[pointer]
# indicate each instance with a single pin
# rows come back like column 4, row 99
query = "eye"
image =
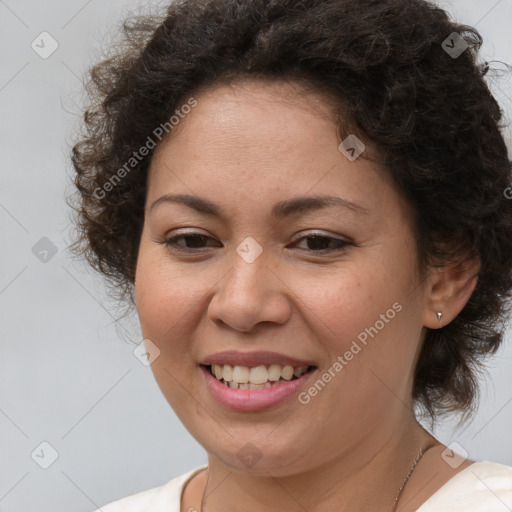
column 193, row 241
column 320, row 243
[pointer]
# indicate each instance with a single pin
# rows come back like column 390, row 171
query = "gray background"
column 68, row 374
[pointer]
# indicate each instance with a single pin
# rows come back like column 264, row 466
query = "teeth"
column 227, row 373
column 274, row 372
column 258, row 377
column 299, row 371
column 217, row 371
column 287, row 372
column 241, row 374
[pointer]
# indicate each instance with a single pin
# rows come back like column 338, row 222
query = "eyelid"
column 320, row 233
column 298, row 236
column 186, row 231
column 170, row 242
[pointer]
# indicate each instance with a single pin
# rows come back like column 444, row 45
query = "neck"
column 365, row 477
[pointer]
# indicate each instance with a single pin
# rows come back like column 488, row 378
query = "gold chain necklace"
column 406, row 479
column 400, row 491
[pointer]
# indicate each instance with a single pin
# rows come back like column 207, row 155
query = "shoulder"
column 165, row 497
column 481, row 487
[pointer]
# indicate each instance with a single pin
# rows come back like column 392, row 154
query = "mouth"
column 267, row 387
column 256, row 377
column 254, row 381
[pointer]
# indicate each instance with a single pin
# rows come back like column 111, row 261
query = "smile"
column 250, row 389
column 258, row 377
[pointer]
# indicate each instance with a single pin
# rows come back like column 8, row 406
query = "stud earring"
column 439, row 316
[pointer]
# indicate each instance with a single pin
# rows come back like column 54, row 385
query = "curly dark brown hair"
column 389, row 68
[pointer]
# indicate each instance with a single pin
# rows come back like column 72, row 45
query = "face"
column 242, row 274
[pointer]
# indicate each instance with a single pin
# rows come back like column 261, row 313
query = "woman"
column 307, row 204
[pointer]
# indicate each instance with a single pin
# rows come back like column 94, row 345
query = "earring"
column 439, row 316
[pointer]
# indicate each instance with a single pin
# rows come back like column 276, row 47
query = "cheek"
column 368, row 317
column 347, row 302
column 165, row 300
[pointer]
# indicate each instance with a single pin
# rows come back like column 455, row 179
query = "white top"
column 481, row 487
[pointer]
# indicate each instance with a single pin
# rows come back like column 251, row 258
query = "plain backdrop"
column 69, row 378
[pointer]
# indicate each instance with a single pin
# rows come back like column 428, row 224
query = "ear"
column 449, row 289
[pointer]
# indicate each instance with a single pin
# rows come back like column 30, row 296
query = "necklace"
column 400, row 491
column 406, row 479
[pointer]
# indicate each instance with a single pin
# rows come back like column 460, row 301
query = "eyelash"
column 171, row 243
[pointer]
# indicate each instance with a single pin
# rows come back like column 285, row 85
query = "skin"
column 246, row 147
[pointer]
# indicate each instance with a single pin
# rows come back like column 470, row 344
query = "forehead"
column 264, row 94
column 266, row 140
column 251, row 113
column 265, row 124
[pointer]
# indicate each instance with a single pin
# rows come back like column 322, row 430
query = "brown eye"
column 193, row 241
column 324, row 244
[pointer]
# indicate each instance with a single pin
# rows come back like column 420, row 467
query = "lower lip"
column 253, row 399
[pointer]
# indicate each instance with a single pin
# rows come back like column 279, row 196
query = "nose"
column 250, row 294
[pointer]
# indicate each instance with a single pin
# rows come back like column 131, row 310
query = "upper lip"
column 234, row 357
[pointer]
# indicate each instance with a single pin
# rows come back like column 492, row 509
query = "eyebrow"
column 286, row 208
